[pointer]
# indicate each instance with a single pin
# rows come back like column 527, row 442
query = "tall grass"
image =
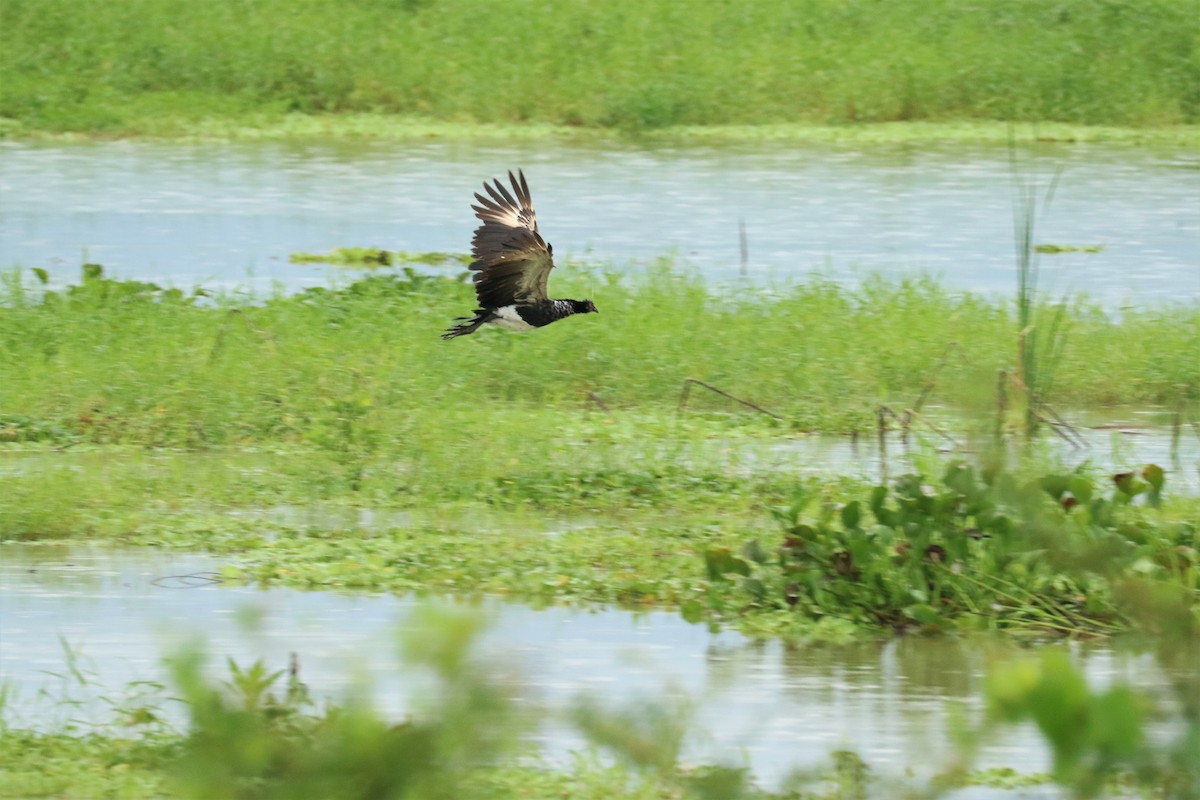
column 116, row 362
column 96, row 66
column 1041, row 335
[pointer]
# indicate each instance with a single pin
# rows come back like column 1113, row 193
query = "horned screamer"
column 512, row 265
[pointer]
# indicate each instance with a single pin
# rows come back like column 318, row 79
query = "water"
column 763, row 704
column 230, row 214
column 1110, row 447
column 1121, row 442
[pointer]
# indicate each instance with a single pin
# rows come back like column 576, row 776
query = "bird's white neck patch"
column 507, row 317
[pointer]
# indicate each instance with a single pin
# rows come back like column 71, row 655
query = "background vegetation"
column 87, row 65
column 363, row 367
column 348, row 398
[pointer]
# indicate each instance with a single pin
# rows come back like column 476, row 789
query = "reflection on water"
column 1107, row 449
column 229, row 214
column 1123, row 443
column 764, row 703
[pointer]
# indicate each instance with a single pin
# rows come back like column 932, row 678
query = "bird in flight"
column 512, row 264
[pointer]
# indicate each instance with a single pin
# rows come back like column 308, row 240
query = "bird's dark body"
column 512, row 264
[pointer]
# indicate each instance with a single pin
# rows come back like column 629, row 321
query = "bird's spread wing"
column 512, row 260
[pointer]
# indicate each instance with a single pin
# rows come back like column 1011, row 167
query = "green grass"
column 121, row 68
column 555, row 467
column 361, row 371
column 259, row 125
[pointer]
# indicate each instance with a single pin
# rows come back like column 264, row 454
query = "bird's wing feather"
column 512, row 260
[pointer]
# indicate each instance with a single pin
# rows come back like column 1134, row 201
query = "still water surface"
column 1127, row 439
column 230, row 214
column 759, row 704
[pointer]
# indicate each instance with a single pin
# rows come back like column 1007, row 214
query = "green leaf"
column 1009, row 688
column 1081, row 488
column 756, row 588
column 1056, row 485
column 1155, row 476
column 1059, row 705
column 1128, row 484
column 882, row 513
column 851, row 514
column 1051, row 249
column 721, row 561
column 1116, row 723
column 923, row 614
column 753, row 551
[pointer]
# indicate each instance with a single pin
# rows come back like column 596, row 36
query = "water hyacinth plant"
column 976, row 548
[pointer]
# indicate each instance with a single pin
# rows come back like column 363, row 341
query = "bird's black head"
column 584, row 307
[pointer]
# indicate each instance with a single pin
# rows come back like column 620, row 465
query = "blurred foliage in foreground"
column 250, row 737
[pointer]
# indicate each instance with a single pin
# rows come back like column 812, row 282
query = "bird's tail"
column 466, row 325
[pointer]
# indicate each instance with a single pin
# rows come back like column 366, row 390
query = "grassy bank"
column 123, row 68
column 362, row 370
column 557, row 467
column 267, row 126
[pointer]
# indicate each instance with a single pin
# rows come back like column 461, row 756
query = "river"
column 229, row 215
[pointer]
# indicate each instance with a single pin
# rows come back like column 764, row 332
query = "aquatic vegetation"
column 576, row 450
column 376, row 257
column 1055, row 249
column 23, row 428
column 978, row 548
column 107, row 362
column 1040, row 553
column 1041, row 332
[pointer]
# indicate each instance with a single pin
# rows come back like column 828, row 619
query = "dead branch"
column 687, row 387
column 1078, row 440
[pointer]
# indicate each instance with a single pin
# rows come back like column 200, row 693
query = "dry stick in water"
column 687, row 387
column 906, row 420
column 1051, row 417
column 930, row 385
column 913, row 415
column 1054, row 426
column 1057, row 422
